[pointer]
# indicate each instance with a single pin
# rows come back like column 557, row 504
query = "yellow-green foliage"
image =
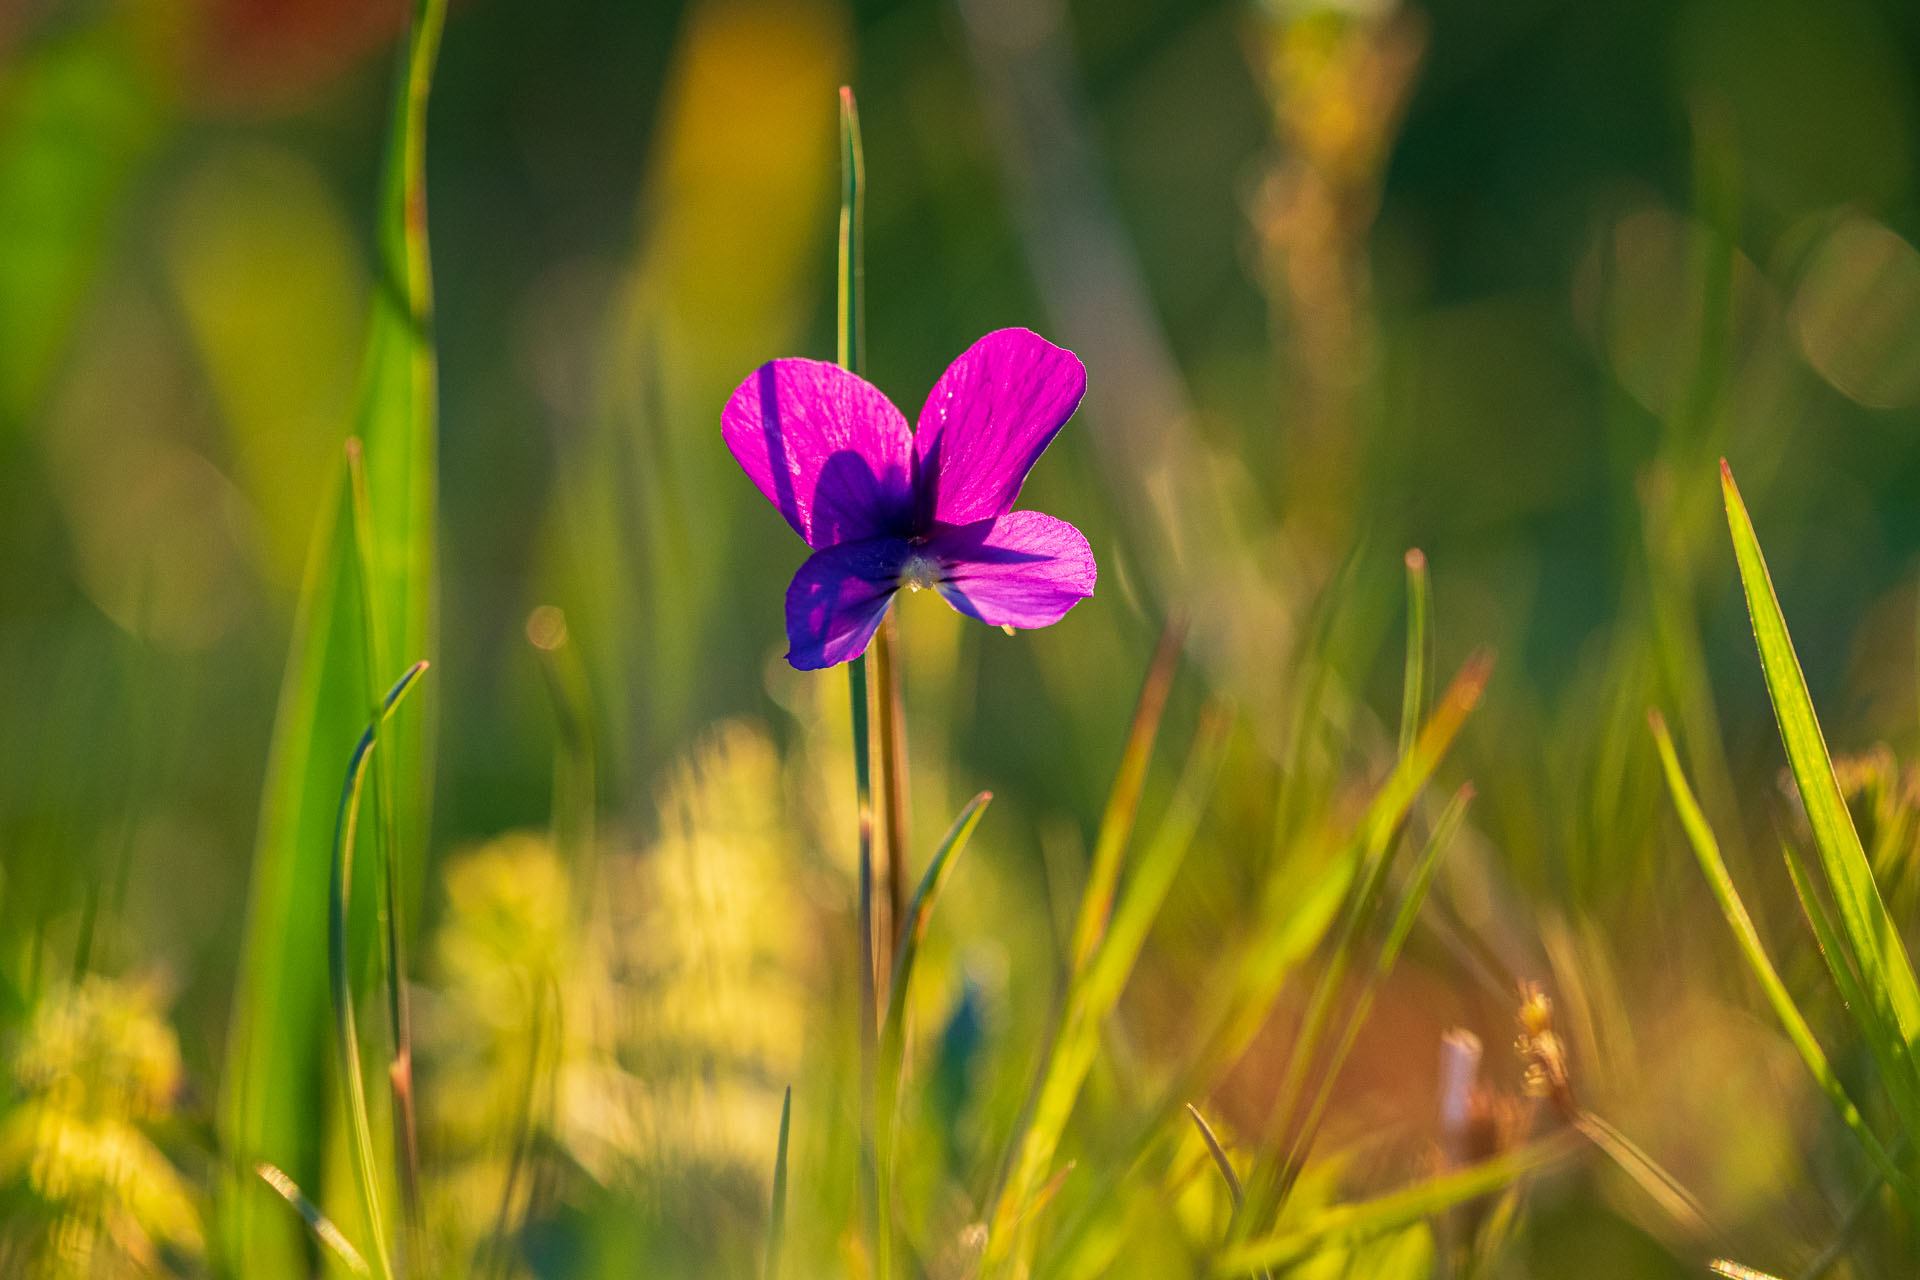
column 96, row 1064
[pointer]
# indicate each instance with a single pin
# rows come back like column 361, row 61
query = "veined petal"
column 1024, row 569
column 836, row 601
column 987, row 421
column 825, row 447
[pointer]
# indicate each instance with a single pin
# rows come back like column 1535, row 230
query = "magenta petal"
column 837, row 600
column 1023, row 570
column 825, row 447
column 988, row 419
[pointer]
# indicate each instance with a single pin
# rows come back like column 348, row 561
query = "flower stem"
column 891, row 723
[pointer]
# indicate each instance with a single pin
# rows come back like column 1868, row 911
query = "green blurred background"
column 1499, row 280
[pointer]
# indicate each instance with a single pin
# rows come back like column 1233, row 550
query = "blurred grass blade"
column 1373, row 850
column 777, row 1207
column 322, row 1226
column 1219, row 1154
column 1419, row 670
column 893, row 1030
column 272, row 1087
column 1123, row 800
column 1707, row 850
column 1444, row 830
column 1349, row 1224
column 1885, row 969
column 1092, row 994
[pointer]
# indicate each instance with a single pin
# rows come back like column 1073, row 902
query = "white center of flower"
column 920, row 570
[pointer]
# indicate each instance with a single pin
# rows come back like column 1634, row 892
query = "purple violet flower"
column 883, row 508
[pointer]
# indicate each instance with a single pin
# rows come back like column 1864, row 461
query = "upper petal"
column 825, row 447
column 987, row 420
column 1023, row 569
column 836, row 601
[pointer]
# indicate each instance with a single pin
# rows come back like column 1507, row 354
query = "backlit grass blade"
column 1885, row 969
column 1373, row 844
column 322, row 1226
column 1419, row 668
column 1707, row 850
column 1092, row 995
column 1349, row 1224
column 777, row 1206
column 1219, row 1154
column 340, row 977
column 273, row 1086
column 1123, row 801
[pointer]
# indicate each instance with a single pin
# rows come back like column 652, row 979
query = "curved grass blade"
column 273, row 1082
column 1349, row 1224
column 339, row 908
column 1714, row 867
column 1877, row 952
column 319, row 1223
column 777, row 1209
column 1219, row 1154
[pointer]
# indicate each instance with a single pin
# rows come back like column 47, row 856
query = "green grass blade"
column 777, row 1206
column 1219, row 1154
column 1097, row 990
column 1123, row 800
column 1349, row 1224
column 1707, row 850
column 339, row 972
column 272, row 1087
column 1886, row 970
column 1419, row 669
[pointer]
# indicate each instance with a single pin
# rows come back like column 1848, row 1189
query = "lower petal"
column 1024, row 569
column 836, row 601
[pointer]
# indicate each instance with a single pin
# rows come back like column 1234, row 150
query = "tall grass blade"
column 1877, row 952
column 273, row 1083
column 1123, row 800
column 777, row 1207
column 1349, row 1224
column 1714, row 867
column 1219, row 1154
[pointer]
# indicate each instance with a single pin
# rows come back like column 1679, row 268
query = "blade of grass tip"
column 777, row 1206
column 1094, row 994
column 890, row 723
column 387, row 858
column 1707, row 850
column 1349, row 1224
column 1219, row 1154
column 850, row 344
column 1419, row 649
column 1737, row 1271
column 1123, row 799
column 576, row 758
column 1884, row 965
column 346, row 1035
column 893, row 1031
column 1374, row 841
column 322, row 1226
column 1444, row 831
